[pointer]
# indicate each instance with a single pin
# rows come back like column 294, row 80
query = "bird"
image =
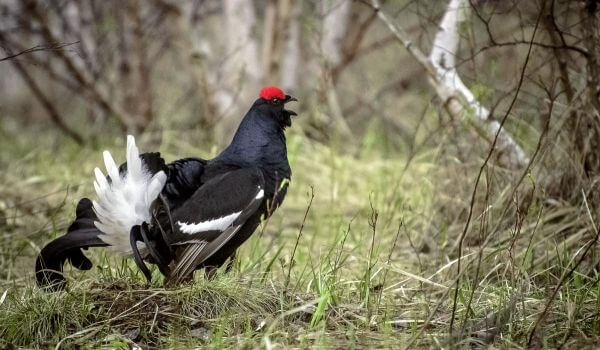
column 182, row 216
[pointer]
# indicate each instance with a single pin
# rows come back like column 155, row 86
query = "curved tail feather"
column 81, row 234
column 125, row 199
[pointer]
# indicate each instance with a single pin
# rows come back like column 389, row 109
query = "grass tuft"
column 363, row 253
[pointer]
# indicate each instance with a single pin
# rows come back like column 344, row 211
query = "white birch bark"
column 443, row 56
column 456, row 96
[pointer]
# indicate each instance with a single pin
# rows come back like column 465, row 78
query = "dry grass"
column 376, row 264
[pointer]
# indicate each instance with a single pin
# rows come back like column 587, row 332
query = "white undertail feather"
column 126, row 200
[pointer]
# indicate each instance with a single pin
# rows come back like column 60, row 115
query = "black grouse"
column 185, row 215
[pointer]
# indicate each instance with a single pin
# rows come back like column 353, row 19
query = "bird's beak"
column 289, row 98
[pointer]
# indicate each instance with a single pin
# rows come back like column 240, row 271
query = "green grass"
column 375, row 265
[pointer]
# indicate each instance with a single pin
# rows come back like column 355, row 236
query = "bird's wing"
column 213, row 215
column 184, row 177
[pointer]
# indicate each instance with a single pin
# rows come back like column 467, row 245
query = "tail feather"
column 126, row 200
column 155, row 187
column 111, row 169
column 134, row 162
column 81, row 234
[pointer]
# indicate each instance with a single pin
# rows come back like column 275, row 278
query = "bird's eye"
column 275, row 100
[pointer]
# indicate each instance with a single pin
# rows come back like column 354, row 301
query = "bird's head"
column 271, row 101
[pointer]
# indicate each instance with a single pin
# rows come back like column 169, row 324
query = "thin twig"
column 50, row 47
column 312, row 196
column 41, row 97
column 567, row 274
column 483, row 166
column 373, row 225
column 389, row 259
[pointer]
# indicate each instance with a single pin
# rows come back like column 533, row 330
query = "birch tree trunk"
column 276, row 34
column 242, row 69
column 456, row 97
column 335, row 14
column 291, row 55
column 136, row 99
column 335, row 24
column 196, row 49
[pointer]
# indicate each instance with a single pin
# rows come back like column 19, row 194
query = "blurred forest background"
column 452, row 147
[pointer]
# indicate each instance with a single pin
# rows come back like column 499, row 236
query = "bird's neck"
column 260, row 142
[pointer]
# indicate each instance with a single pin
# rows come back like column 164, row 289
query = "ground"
column 370, row 262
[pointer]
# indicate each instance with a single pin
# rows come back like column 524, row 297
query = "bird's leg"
column 158, row 259
column 134, row 237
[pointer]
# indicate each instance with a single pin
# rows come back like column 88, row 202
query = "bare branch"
column 46, row 103
column 51, row 47
column 456, row 96
column 78, row 74
column 443, row 57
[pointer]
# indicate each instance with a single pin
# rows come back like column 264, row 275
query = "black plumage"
column 223, row 199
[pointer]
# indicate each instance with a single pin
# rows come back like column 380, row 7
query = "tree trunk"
column 291, row 55
column 276, row 33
